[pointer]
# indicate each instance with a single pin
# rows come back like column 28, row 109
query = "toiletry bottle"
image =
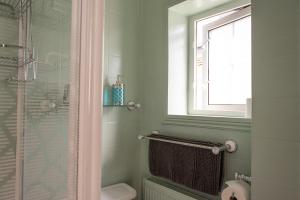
column 118, row 92
column 106, row 94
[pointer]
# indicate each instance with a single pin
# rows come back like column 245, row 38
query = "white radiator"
column 154, row 191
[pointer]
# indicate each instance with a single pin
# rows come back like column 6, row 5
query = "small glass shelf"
column 131, row 105
column 114, row 105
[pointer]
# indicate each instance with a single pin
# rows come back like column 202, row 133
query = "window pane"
column 201, row 46
column 230, row 63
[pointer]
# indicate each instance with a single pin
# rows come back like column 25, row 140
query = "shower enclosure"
column 37, row 151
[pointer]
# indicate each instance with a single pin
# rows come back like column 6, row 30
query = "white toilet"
column 120, row 191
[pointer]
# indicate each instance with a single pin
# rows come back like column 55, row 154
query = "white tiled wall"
column 120, row 128
column 275, row 137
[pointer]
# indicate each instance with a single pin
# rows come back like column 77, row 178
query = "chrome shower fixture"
column 14, row 8
column 28, row 61
column 11, row 46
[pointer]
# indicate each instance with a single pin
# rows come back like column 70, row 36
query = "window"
column 220, row 77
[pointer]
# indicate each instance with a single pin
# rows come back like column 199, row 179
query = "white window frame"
column 211, row 110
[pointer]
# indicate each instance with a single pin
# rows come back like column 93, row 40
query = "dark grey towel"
column 192, row 167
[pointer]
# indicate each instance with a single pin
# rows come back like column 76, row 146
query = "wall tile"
column 275, row 157
column 275, row 161
column 276, row 118
column 120, row 126
column 262, row 190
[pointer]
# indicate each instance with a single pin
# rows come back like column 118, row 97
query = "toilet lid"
column 120, row 191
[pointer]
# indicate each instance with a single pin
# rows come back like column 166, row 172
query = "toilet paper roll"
column 236, row 190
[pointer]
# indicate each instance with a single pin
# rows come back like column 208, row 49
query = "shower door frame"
column 87, row 54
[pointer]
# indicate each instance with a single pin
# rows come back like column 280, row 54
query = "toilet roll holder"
column 238, row 176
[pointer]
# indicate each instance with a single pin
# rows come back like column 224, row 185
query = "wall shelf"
column 131, row 106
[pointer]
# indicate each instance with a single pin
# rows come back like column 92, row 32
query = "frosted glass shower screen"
column 46, row 139
column 38, row 101
column 8, row 110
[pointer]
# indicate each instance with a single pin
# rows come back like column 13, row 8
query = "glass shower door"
column 45, row 174
column 38, row 149
column 8, row 100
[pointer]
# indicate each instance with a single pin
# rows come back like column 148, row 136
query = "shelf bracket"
column 132, row 105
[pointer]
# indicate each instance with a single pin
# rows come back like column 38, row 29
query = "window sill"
column 219, row 123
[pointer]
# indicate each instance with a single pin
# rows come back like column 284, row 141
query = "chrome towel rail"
column 229, row 145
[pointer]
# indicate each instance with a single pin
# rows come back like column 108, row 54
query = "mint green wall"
column 120, row 127
column 154, row 63
column 275, row 137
